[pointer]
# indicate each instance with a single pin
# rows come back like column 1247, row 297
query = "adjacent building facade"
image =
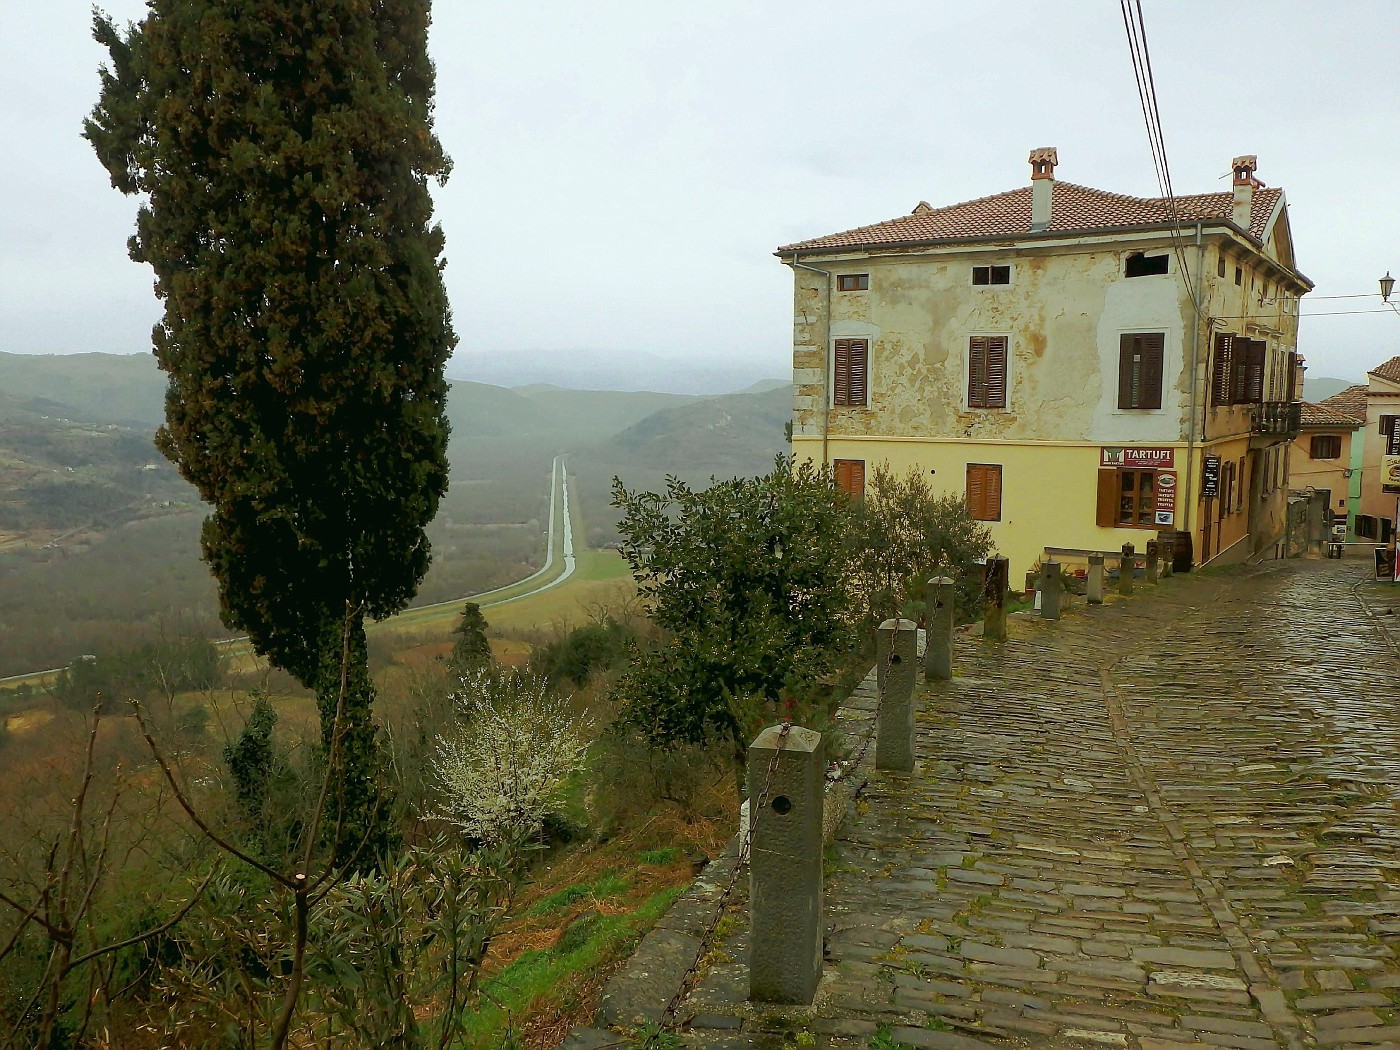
column 1085, row 368
column 1327, row 452
column 1380, row 458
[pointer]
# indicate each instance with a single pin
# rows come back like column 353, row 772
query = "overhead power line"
column 1136, row 31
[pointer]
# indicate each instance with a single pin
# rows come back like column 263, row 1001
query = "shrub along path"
column 1169, row 822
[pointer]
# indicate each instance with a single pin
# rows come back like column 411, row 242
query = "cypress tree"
column 283, row 150
column 472, row 649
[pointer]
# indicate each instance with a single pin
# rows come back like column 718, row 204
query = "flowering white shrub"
column 507, row 763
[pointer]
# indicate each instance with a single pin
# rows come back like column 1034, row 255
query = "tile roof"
column 1351, row 401
column 1076, row 208
column 1320, row 415
column 1390, row 370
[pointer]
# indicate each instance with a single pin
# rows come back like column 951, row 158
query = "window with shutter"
column 1140, row 369
column 1220, row 380
column 986, row 371
column 1251, row 379
column 850, row 372
column 850, row 476
column 1325, row 446
column 984, row 491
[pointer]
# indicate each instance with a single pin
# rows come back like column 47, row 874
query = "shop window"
column 1127, row 498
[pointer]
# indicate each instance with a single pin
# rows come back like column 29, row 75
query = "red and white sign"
column 1138, row 458
column 1166, row 498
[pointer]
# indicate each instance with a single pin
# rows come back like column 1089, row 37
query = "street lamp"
column 1387, row 286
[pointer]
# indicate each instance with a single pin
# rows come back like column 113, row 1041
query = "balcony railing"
column 1278, row 418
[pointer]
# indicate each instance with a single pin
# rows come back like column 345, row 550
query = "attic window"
column 853, row 282
column 991, row 275
column 1140, row 265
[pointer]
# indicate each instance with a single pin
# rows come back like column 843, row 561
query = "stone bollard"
column 1153, row 564
column 1093, row 585
column 1051, row 588
column 1168, row 549
column 994, row 594
column 896, row 655
column 938, row 645
column 785, row 864
column 1127, row 565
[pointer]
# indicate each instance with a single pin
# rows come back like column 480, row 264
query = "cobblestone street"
column 1170, row 822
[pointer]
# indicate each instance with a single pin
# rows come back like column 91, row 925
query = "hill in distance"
column 1319, row 388
column 609, row 370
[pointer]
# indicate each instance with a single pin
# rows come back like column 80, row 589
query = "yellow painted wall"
column 1323, row 473
column 1049, row 493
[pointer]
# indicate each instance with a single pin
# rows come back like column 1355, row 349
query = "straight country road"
column 1171, row 822
column 559, row 536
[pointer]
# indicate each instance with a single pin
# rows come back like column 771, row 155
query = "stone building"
column 1041, row 352
column 1380, row 456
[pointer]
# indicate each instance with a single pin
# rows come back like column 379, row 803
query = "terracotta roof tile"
column 1076, row 208
column 1390, row 370
column 1320, row 415
column 1351, row 401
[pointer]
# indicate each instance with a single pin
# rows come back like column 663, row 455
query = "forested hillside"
column 99, row 536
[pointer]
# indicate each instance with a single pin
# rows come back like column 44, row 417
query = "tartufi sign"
column 1137, row 458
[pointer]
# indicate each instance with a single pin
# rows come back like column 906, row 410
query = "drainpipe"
column 1190, row 507
column 826, row 358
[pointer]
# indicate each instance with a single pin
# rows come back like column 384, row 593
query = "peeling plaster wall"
column 1063, row 314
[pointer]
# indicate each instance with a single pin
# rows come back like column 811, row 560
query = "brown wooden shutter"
column 1140, row 370
column 976, row 491
column 1220, row 382
column 860, row 377
column 850, row 476
column 1127, row 373
column 1252, row 379
column 1107, row 516
column 992, row 487
column 977, row 372
column 984, row 491
column 841, row 373
column 996, row 382
column 986, row 371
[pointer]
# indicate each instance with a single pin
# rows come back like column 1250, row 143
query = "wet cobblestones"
column 1170, row 822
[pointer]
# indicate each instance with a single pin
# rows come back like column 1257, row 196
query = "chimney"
column 1043, row 163
column 1245, row 183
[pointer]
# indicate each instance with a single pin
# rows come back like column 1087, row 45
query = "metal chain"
column 859, row 756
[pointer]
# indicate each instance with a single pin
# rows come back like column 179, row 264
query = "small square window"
column 853, row 282
column 1139, row 265
column 991, row 275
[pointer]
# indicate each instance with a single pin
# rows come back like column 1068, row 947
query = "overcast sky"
column 625, row 169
